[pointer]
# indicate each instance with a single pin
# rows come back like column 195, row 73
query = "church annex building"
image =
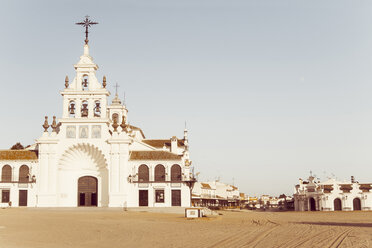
column 91, row 156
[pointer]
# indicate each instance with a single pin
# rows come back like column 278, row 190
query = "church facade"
column 332, row 195
column 92, row 156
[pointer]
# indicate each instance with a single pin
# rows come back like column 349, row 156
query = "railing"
column 154, row 181
column 19, row 181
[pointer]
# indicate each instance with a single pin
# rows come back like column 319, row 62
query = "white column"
column 47, row 174
column 42, row 179
column 118, row 169
column 65, row 107
column 123, row 166
column 103, row 107
column 114, row 173
column 113, row 176
column 151, row 193
column 52, row 174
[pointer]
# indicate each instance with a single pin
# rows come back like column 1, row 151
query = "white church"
column 91, row 156
column 332, row 195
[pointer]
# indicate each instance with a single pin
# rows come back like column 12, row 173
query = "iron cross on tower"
column 116, row 88
column 86, row 23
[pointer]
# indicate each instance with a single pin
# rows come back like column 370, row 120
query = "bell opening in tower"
column 85, row 83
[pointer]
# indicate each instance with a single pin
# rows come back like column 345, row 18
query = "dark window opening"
column 71, row 109
column 6, row 175
column 159, row 196
column 143, row 198
column 84, row 109
column 5, row 196
column 97, row 109
column 143, row 173
column 24, row 174
column 176, row 174
column 176, row 197
column 160, row 173
column 84, row 83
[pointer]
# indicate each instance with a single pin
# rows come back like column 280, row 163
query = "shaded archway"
column 312, row 204
column 356, row 204
column 159, row 173
column 6, row 173
column 87, row 191
column 337, row 204
column 143, row 173
column 24, row 174
column 176, row 173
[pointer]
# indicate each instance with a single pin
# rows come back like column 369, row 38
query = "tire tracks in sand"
column 337, row 242
column 260, row 237
column 320, row 239
column 239, row 239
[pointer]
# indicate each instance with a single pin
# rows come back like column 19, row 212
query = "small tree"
column 17, row 146
column 283, row 196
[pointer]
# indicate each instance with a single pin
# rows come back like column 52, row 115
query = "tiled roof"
column 206, row 186
column 365, row 187
column 159, row 143
column 327, row 188
column 153, row 155
column 18, row 155
column 235, row 188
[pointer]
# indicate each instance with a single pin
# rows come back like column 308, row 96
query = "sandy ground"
column 116, row 228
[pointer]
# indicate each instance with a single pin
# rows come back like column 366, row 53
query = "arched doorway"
column 312, row 204
column 337, row 204
column 356, row 204
column 87, row 191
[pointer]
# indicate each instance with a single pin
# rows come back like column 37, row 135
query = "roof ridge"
column 154, row 155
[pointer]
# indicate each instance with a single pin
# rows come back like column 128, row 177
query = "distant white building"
column 332, row 195
column 215, row 193
column 93, row 157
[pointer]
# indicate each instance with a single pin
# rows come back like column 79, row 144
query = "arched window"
column 71, row 108
column 176, row 173
column 6, row 173
column 84, row 109
column 24, row 174
column 143, row 173
column 85, row 83
column 97, row 109
column 160, row 173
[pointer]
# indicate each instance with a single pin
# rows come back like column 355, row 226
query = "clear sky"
column 269, row 89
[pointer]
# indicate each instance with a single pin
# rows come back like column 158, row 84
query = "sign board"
column 22, row 185
column 175, row 185
column 193, row 213
column 143, row 185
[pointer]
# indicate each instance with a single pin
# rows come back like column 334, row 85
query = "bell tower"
column 85, row 97
column 88, row 124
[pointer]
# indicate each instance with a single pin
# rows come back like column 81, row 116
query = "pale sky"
column 269, row 89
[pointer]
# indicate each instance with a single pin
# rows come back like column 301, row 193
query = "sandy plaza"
column 197, row 123
column 39, row 228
